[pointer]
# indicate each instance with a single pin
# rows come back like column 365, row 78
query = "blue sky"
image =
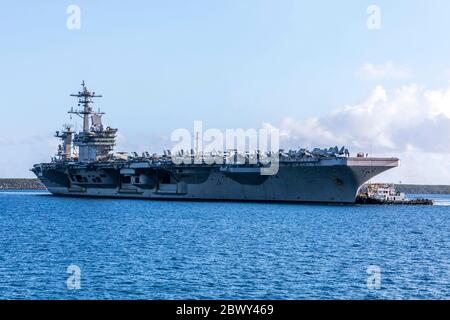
column 163, row 64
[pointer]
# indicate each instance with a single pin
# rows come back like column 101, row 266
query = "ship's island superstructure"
column 85, row 165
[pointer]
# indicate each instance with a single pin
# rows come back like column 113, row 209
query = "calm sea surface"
column 139, row 249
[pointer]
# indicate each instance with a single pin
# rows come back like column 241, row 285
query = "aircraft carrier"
column 86, row 166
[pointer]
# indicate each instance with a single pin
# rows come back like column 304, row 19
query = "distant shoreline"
column 34, row 184
column 422, row 189
column 21, row 184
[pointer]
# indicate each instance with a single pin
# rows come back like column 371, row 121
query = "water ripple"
column 179, row 250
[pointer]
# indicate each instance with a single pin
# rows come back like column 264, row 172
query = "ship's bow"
column 365, row 169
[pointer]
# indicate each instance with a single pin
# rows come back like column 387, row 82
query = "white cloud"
column 385, row 70
column 412, row 121
column 439, row 102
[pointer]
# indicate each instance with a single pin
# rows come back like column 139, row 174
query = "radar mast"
column 85, row 99
column 94, row 142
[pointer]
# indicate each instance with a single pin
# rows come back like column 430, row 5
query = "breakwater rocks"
column 21, row 184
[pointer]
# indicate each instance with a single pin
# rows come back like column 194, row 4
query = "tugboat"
column 384, row 193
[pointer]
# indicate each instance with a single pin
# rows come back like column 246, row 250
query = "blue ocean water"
column 135, row 249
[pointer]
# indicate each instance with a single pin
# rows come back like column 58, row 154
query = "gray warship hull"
column 325, row 180
column 85, row 166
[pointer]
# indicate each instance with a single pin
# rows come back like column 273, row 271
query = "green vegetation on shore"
column 422, row 189
column 21, row 184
